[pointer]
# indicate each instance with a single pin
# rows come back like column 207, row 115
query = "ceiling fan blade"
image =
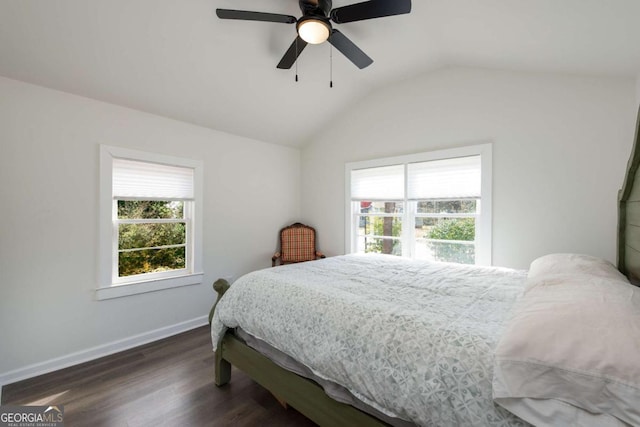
column 349, row 49
column 247, row 15
column 369, row 10
column 292, row 53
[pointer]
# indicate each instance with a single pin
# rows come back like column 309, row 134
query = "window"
column 434, row 206
column 150, row 222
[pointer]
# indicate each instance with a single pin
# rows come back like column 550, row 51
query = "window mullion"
column 115, row 237
column 409, row 244
column 151, row 221
column 178, row 245
column 446, row 215
column 354, row 227
column 189, row 240
column 383, row 214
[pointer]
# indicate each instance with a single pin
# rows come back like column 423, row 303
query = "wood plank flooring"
column 165, row 383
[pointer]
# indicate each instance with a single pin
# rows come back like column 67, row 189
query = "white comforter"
column 412, row 339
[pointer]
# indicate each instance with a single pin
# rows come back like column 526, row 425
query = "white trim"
column 196, row 218
column 151, row 221
column 105, row 215
column 483, row 230
column 448, row 153
column 99, row 351
column 349, row 221
column 178, row 245
column 484, row 252
column 145, row 156
column 126, row 289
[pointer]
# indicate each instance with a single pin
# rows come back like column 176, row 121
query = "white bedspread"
column 412, row 339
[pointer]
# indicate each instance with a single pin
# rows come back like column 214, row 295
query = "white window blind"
column 151, row 181
column 455, row 178
column 381, row 183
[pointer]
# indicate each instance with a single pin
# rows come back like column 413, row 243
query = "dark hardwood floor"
column 165, row 383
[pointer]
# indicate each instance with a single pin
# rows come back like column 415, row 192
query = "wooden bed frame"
column 309, row 398
column 629, row 215
column 301, row 393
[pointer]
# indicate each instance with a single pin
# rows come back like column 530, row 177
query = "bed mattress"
column 412, row 339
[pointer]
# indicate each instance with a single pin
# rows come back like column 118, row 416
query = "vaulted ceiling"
column 177, row 59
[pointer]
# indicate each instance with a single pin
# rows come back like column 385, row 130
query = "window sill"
column 117, row 291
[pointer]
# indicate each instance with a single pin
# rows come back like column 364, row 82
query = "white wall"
column 48, row 220
column 638, row 89
column 560, row 146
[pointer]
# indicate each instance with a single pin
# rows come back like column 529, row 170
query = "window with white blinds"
column 150, row 221
column 433, row 206
column 457, row 178
column 379, row 183
column 133, row 179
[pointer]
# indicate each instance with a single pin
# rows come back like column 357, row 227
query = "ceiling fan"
column 314, row 26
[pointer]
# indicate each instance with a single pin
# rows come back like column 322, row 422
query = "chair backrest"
column 298, row 243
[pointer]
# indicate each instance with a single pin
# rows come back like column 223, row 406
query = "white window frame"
column 112, row 286
column 483, row 237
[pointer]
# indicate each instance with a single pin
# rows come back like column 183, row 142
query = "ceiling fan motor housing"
column 315, row 8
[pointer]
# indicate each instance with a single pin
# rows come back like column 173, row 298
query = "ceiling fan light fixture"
column 314, row 30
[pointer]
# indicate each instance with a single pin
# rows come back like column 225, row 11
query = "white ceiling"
column 177, row 59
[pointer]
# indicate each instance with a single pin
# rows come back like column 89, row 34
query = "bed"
column 373, row 340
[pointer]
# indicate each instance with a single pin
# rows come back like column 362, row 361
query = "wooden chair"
column 297, row 244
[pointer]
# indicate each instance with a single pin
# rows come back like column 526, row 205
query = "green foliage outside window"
column 385, row 246
column 385, row 226
column 454, row 229
column 143, row 236
column 448, row 206
column 462, row 229
column 146, row 209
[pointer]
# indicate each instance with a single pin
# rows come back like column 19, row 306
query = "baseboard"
column 98, row 352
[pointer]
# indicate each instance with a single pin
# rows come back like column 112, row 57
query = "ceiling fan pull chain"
column 330, row 65
column 297, row 53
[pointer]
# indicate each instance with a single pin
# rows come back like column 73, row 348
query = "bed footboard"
column 301, row 393
column 220, row 286
column 223, row 367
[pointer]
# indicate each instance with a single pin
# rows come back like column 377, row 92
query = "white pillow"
column 570, row 355
column 572, row 264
